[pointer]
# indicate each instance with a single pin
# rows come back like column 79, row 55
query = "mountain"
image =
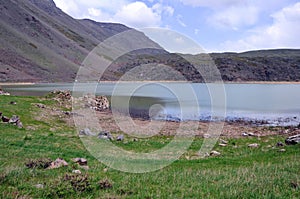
column 41, row 43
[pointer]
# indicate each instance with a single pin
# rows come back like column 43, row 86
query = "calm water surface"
column 277, row 104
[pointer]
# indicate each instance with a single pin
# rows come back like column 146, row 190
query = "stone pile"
column 98, row 103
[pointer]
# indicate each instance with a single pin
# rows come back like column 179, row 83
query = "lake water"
column 275, row 104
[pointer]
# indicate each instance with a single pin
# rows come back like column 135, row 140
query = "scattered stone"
column 244, row 134
column 214, row 153
column 282, row 150
column 292, row 140
column 39, row 186
column 5, row 119
column 206, row 136
column 13, row 103
column 14, row 119
column 105, row 135
column 279, row 144
column 105, row 170
column 87, row 132
column 58, row 163
column 19, row 124
column 80, row 161
column 40, row 105
column 251, row 134
column 3, row 92
column 120, row 138
column 39, row 163
column 61, row 95
column 223, row 141
column 254, row 145
column 76, row 171
column 223, row 145
column 105, row 184
column 135, row 139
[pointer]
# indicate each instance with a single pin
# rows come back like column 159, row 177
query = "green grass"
column 240, row 172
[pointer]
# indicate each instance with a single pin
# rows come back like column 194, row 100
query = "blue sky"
column 216, row 25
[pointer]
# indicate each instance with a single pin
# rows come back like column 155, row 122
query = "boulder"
column 76, row 171
column 5, row 119
column 105, row 135
column 80, row 161
column 279, row 144
column 14, row 119
column 19, row 124
column 292, row 140
column 58, row 163
column 120, row 138
column 87, row 132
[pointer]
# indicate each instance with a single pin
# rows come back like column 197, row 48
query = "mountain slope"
column 39, row 42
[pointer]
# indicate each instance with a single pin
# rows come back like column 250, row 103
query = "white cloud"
column 282, row 33
column 211, row 3
column 138, row 15
column 180, row 21
column 235, row 17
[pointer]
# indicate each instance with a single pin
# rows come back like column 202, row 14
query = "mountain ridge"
column 41, row 43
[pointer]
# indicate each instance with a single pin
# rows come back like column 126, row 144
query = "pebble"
column 254, row 145
column 39, row 186
column 215, row 153
column 76, row 171
column 282, row 150
column 223, row 145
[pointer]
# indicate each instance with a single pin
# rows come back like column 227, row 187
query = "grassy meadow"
column 239, row 172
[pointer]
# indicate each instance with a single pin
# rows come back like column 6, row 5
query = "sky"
column 215, row 25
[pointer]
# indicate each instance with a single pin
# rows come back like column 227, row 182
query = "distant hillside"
column 40, row 43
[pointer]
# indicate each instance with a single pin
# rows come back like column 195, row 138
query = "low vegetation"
column 239, row 172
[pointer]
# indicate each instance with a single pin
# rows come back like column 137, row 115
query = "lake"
column 273, row 104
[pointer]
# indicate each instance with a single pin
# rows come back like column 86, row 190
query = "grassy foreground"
column 240, row 171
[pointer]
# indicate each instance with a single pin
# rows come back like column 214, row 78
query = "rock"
column 80, row 161
column 292, row 140
column 282, row 150
column 5, row 119
column 120, row 138
column 39, row 186
column 251, row 134
column 223, row 145
column 76, row 171
column 40, row 105
column 19, row 124
column 254, row 145
column 135, row 140
column 87, row 132
column 105, row 170
column 13, row 103
column 279, row 144
column 214, row 153
column 14, row 119
column 3, row 92
column 245, row 134
column 58, row 163
column 223, row 141
column 105, row 135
